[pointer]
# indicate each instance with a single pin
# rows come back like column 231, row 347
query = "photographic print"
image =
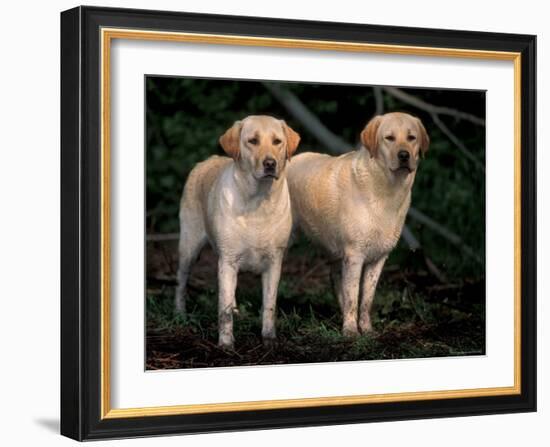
column 337, row 219
column 296, row 222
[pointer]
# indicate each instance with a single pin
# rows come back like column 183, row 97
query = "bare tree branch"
column 410, row 239
column 379, row 100
column 301, row 113
column 432, row 109
column 414, row 246
column 454, row 139
column 453, row 238
column 163, row 237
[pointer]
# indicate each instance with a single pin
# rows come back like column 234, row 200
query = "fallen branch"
column 459, row 144
column 410, row 239
column 308, row 119
column 447, row 234
column 414, row 245
column 378, row 100
column 162, row 237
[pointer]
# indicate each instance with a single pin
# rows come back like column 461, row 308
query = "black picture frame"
column 81, row 223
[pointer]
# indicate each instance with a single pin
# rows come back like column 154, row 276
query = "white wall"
column 29, row 232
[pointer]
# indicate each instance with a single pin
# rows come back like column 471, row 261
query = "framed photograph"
column 277, row 223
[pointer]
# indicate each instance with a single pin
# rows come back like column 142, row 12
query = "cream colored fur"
column 355, row 207
column 243, row 212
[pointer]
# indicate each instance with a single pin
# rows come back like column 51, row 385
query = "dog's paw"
column 370, row 333
column 226, row 342
column 180, row 315
column 269, row 342
column 365, row 327
column 350, row 332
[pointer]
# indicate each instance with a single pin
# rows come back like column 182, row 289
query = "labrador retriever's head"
column 396, row 140
column 261, row 145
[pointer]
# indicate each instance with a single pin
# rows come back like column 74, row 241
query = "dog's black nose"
column 270, row 164
column 403, row 156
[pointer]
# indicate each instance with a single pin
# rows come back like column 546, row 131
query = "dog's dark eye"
column 276, row 141
column 390, row 137
column 253, row 141
column 411, row 138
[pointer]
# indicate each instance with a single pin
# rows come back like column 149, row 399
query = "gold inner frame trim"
column 107, row 35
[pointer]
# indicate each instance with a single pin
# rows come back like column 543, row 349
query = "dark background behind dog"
column 431, row 297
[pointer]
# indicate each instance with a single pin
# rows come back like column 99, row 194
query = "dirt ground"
column 415, row 315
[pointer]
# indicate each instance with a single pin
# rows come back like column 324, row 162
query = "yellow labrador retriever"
column 241, row 206
column 355, row 206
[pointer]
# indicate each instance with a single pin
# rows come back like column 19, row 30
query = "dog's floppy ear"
column 292, row 139
column 369, row 136
column 230, row 140
column 424, row 139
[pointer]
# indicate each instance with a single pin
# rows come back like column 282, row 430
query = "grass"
column 412, row 317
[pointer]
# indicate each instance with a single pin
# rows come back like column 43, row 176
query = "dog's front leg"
column 371, row 273
column 227, row 279
column 351, row 276
column 270, row 283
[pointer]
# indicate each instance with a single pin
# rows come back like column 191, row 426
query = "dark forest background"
column 431, row 297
